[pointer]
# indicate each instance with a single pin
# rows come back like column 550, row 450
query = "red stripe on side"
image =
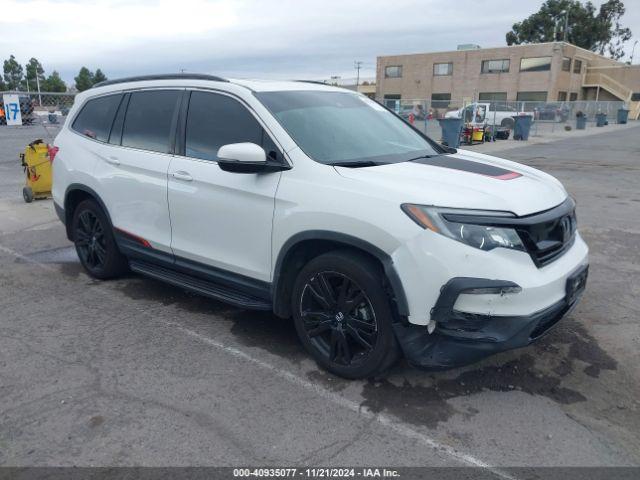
column 138, row 239
column 508, row 176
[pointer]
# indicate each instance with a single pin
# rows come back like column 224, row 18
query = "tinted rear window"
column 149, row 119
column 96, row 117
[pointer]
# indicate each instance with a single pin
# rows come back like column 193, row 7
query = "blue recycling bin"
column 581, row 122
column 451, row 130
column 623, row 115
column 601, row 119
column 522, row 126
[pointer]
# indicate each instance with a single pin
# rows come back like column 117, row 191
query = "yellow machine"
column 36, row 161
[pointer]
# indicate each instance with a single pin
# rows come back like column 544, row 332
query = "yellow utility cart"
column 36, row 161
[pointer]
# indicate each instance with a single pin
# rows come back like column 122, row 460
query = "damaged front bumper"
column 462, row 338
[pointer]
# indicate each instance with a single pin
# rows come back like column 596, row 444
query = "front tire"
column 95, row 243
column 343, row 315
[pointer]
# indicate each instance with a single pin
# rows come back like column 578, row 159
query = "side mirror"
column 242, row 158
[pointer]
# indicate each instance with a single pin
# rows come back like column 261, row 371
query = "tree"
column 84, row 80
column 599, row 31
column 54, row 83
column 99, row 77
column 34, row 74
column 12, row 73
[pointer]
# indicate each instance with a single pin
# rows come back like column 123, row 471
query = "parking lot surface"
column 135, row 372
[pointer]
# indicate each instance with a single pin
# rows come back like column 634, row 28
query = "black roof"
column 163, row 76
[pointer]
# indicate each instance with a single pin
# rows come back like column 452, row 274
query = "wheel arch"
column 304, row 246
column 74, row 194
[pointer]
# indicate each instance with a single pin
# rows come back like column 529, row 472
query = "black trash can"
column 522, row 127
column 451, row 130
column 601, row 119
column 581, row 122
column 623, row 115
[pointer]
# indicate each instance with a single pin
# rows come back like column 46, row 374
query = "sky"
column 301, row 39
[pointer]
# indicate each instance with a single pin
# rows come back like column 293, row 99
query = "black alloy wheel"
column 338, row 318
column 95, row 243
column 342, row 313
column 90, row 241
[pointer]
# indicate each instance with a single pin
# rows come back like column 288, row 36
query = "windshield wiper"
column 424, row 156
column 357, row 164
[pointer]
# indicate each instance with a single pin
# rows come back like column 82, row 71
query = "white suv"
column 318, row 203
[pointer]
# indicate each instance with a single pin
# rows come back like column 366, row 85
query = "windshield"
column 345, row 128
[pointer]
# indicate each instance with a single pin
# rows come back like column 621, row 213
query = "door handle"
column 182, row 175
column 112, row 160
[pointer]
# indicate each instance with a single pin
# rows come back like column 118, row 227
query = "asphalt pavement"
column 135, row 372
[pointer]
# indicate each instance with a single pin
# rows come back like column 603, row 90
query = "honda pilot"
column 317, row 203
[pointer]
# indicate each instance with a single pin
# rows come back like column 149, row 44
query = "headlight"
column 479, row 236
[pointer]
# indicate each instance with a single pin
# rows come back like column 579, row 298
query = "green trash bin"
column 581, row 122
column 601, row 119
column 623, row 115
column 522, row 126
column 451, row 130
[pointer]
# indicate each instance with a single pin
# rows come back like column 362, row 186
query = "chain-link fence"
column 42, row 108
column 496, row 117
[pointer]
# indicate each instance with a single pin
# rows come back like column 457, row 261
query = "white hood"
column 412, row 182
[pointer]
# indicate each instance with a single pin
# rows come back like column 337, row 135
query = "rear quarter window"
column 96, row 117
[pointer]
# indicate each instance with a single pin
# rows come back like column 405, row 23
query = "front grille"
column 550, row 239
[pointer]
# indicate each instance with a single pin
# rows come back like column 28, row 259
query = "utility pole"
column 633, row 51
column 566, row 26
column 357, row 65
column 38, row 85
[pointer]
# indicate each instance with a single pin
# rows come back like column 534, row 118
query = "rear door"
column 133, row 170
column 221, row 219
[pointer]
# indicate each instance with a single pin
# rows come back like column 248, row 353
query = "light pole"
column 633, row 51
column 357, row 65
column 566, row 26
column 38, row 85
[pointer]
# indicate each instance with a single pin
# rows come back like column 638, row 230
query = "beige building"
column 555, row 71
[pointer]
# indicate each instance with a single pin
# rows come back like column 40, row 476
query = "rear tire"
column 343, row 315
column 95, row 243
column 508, row 122
column 27, row 194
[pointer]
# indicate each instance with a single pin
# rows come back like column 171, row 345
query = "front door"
column 221, row 219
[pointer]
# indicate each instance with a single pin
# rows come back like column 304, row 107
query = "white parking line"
column 385, row 420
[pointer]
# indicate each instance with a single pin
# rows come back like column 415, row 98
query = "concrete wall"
column 467, row 80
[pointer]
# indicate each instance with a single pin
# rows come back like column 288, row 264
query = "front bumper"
column 462, row 338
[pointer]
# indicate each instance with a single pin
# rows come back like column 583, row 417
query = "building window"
column 392, row 101
column 495, row 66
column 577, row 66
column 393, row 71
column 440, row 100
column 532, row 96
column 492, row 96
column 573, row 96
column 535, row 64
column 562, row 96
column 566, row 64
column 443, row 69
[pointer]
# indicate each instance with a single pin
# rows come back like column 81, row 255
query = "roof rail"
column 315, row 82
column 163, row 76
